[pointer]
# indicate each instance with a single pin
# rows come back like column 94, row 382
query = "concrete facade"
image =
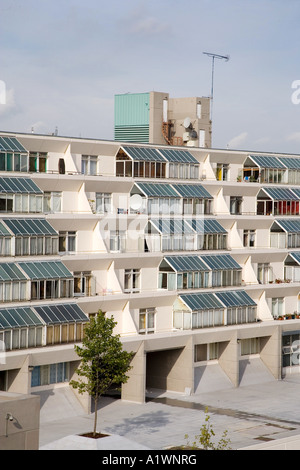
column 118, row 265
column 19, row 421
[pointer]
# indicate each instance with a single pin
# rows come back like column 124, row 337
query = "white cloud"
column 39, row 127
column 262, row 140
column 148, row 25
column 8, row 105
column 140, row 22
column 295, row 137
column 235, row 142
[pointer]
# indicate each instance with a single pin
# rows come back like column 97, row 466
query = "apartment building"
column 195, row 252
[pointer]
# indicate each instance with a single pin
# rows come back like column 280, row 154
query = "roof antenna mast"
column 214, row 56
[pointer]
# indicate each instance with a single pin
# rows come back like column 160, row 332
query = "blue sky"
column 63, row 61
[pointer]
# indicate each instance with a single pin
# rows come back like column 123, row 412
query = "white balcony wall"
column 234, row 238
column 52, row 161
column 220, row 204
column 69, row 201
column 249, row 205
column 134, row 239
column 129, row 321
column 248, row 273
column 83, row 203
column 120, row 203
column 113, row 280
column 118, row 316
column 206, row 170
column 76, row 157
column 84, row 241
column 106, row 165
column 149, row 279
column 234, row 172
column 262, row 239
column 70, row 164
column 290, row 304
column 98, row 242
column 278, row 270
column 164, row 318
column 263, row 310
column 100, row 281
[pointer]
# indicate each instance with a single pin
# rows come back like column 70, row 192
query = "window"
column 149, row 169
column 32, row 246
column 12, row 291
column 103, row 203
column 132, row 281
column 199, row 319
column 52, row 202
column 82, row 283
column 38, row 162
column 147, row 320
column 20, row 203
column 13, row 162
column 239, row 315
column 124, row 168
column 249, row 238
column 272, row 175
column 89, row 165
column 236, row 205
column 290, row 350
column 222, row 171
column 250, row 346
column 277, row 306
column 264, row 273
column 117, row 241
column 5, row 246
column 50, row 374
column 47, row 289
column 206, row 352
column 67, row 242
column 20, row 338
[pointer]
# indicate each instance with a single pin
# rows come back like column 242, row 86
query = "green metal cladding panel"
column 132, row 109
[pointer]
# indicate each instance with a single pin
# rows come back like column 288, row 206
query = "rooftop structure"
column 156, row 118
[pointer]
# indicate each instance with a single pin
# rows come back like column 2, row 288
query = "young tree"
column 103, row 361
column 204, row 440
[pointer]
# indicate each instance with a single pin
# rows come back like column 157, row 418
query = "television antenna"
column 214, row 56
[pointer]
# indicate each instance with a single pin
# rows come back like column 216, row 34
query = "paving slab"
column 249, row 414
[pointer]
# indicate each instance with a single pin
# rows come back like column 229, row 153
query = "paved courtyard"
column 252, row 414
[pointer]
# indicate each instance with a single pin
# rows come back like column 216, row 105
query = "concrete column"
column 270, row 352
column 135, row 389
column 84, row 398
column 229, row 359
column 18, row 380
column 181, row 375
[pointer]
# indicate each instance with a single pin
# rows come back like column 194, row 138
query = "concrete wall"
column 171, row 370
column 22, row 433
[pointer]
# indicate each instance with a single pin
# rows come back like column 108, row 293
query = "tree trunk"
column 95, row 420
